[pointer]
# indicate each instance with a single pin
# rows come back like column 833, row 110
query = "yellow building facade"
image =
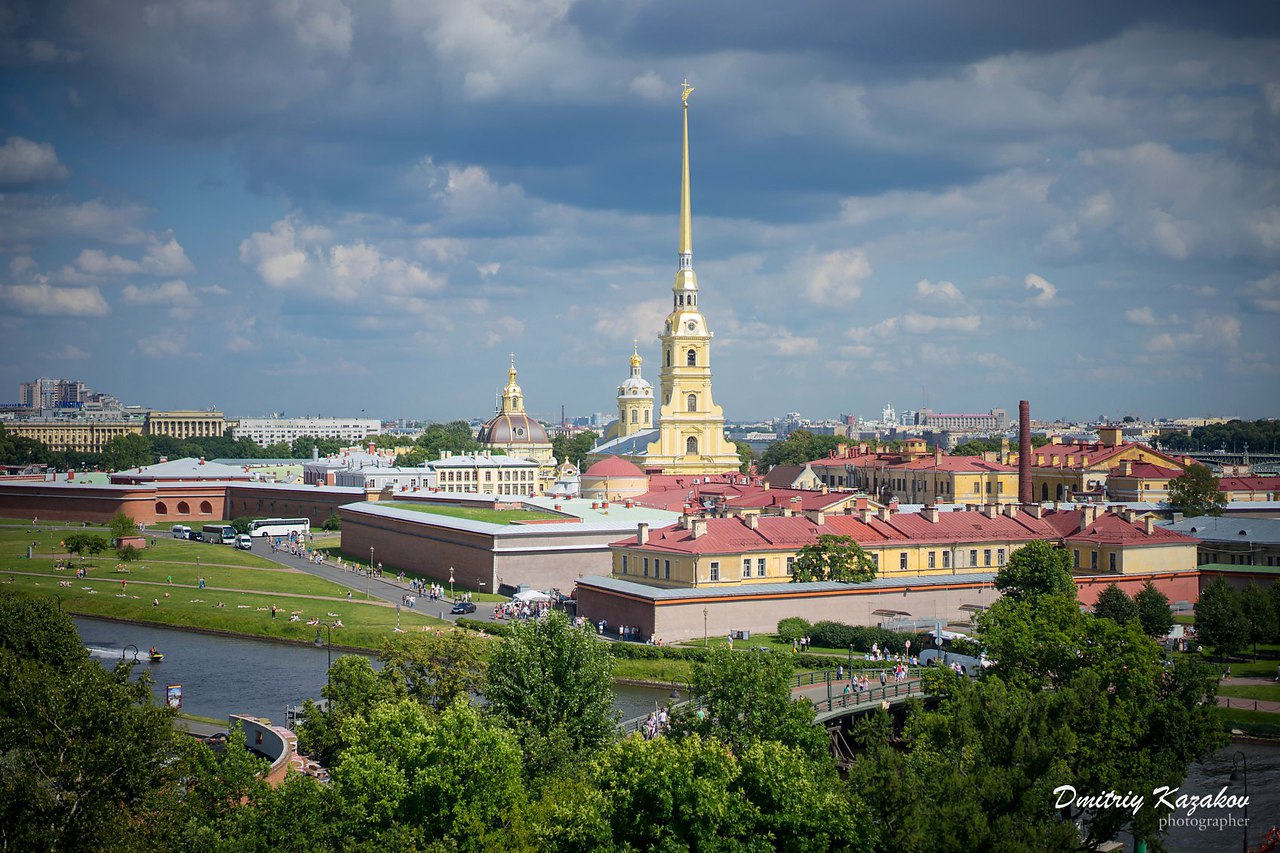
column 186, row 424
column 749, row 549
column 84, row 436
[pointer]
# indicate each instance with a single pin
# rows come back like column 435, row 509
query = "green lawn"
column 1258, row 723
column 492, row 516
column 262, row 582
column 664, row 671
column 1266, row 692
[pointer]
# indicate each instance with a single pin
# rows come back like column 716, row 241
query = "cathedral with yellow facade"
column 689, row 435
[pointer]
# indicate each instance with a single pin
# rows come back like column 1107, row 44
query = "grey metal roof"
column 1229, row 529
column 636, row 444
column 658, row 594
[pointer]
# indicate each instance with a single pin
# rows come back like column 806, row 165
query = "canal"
column 230, row 675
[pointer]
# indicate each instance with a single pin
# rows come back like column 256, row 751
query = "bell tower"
column 690, row 425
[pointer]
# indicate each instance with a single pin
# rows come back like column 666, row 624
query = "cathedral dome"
column 635, row 386
column 614, row 466
column 513, row 428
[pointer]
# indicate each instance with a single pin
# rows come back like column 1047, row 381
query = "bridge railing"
column 871, row 696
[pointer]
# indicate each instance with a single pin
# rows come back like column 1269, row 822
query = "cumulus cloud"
column 1208, row 333
column 42, row 299
column 943, row 291
column 923, row 324
column 1264, row 294
column 70, row 352
column 165, row 257
column 24, row 163
column 1140, row 316
column 26, row 219
column 836, row 278
column 503, row 330
column 165, row 344
column 650, row 87
column 1044, row 291
column 171, row 294
column 293, row 255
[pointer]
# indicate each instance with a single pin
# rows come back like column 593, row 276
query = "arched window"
column 206, row 508
column 184, row 508
column 691, row 445
column 1044, row 491
column 161, row 509
column 635, row 416
column 668, row 358
column 692, row 402
column 691, row 358
column 1059, row 497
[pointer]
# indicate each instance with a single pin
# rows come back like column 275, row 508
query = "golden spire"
column 635, row 353
column 511, row 374
column 686, row 224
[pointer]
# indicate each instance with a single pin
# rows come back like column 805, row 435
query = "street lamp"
column 1236, row 776
column 329, row 644
column 369, row 575
column 704, row 627
column 451, row 583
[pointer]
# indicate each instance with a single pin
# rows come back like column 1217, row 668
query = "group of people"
column 522, row 610
column 655, row 724
column 878, row 653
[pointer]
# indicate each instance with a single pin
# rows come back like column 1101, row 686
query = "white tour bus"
column 219, row 534
column 282, row 527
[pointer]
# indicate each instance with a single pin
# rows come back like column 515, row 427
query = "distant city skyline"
column 350, row 207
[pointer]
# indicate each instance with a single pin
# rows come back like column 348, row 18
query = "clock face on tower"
column 691, row 325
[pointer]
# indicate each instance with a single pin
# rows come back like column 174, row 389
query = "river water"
column 221, row 675
column 230, row 675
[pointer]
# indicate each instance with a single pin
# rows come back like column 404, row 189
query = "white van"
column 244, row 542
column 180, row 531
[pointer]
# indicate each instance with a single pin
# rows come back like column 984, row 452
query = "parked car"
column 195, row 535
column 463, row 607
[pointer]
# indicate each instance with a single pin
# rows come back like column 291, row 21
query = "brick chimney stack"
column 1026, row 494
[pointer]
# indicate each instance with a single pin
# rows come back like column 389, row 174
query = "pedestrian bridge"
column 826, row 692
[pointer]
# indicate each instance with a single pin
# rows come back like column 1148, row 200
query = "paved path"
column 386, row 588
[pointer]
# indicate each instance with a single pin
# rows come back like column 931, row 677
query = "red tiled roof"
column 781, row 533
column 1148, row 471
column 1249, row 484
column 613, row 466
column 956, row 463
column 1097, row 452
column 1112, row 529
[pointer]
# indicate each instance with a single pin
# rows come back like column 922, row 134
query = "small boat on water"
column 154, row 655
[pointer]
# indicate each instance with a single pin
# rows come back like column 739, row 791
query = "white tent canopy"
column 532, row 595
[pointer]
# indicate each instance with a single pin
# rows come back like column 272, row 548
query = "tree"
column 1196, row 492
column 435, row 669
column 745, row 698
column 1220, row 622
column 1113, row 604
column 122, row 525
column 1273, row 593
column 129, row 553
column 798, row 448
column 1072, row 700
column 977, row 447
column 333, row 522
column 553, row 684
column 86, row 752
column 747, row 454
column 1037, row 568
column 242, row 524
column 85, row 543
column 573, row 447
column 1153, row 611
column 352, row 688
column 126, row 451
column 454, row 436
column 456, row 775
column 696, row 794
column 833, row 558
column 1258, row 612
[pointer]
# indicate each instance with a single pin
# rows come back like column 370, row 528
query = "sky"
column 331, row 206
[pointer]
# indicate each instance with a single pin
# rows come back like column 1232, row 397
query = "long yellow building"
column 756, row 549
